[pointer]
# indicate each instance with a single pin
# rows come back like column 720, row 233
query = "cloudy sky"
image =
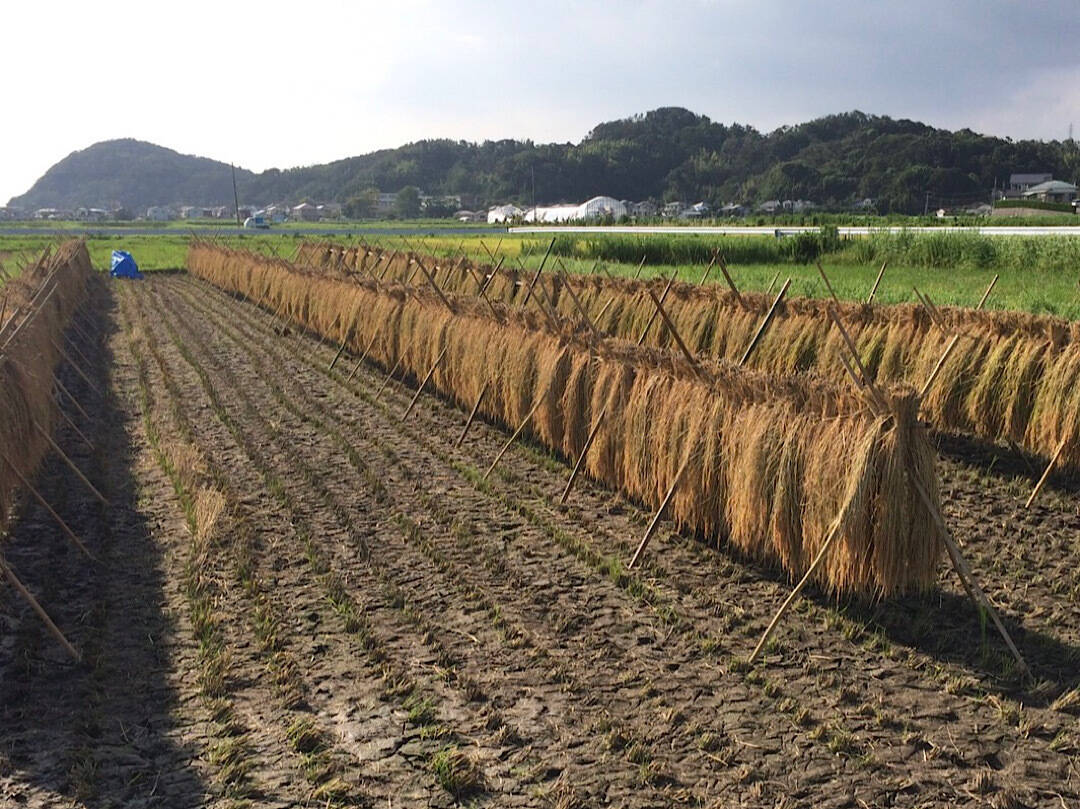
column 268, row 84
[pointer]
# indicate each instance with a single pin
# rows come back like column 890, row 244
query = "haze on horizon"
column 280, row 84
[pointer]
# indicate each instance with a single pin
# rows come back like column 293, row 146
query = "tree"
column 361, row 206
column 407, row 204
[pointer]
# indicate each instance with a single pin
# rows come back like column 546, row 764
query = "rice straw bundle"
column 29, row 360
column 773, row 460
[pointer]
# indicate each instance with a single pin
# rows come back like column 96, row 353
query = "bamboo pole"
column 939, row 366
column 78, row 370
column 420, row 389
column 1046, row 472
column 490, row 278
column 389, row 376
column 764, row 323
column 337, row 356
column 708, row 268
column 604, row 308
column 363, row 356
column 44, row 616
column 434, row 286
column 580, row 308
column 828, row 285
column 877, row 281
column 730, row 282
column 975, row 592
column 67, row 460
column 675, row 333
column 986, row 295
column 659, row 512
column 539, row 270
column 584, row 451
column 935, row 316
column 517, row 432
column 834, row 532
column 640, row 267
column 78, row 354
column 52, row 513
column 772, row 283
column 74, row 428
column 652, row 319
column 74, row 401
column 876, row 395
column 472, row 414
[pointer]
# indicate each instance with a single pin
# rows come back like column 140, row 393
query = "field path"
column 389, row 628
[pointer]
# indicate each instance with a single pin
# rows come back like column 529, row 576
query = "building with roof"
column 1019, row 183
column 1051, row 191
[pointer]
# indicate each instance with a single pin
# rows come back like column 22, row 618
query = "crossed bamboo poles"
column 537, row 291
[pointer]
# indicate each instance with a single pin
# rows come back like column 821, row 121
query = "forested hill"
column 669, row 153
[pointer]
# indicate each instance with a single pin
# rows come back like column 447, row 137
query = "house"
column 196, row 212
column 771, row 206
column 329, row 210
column 698, row 210
column 160, row 213
column 1019, row 183
column 306, row 212
column 1051, row 191
column 503, row 213
column 733, row 209
column 52, row 213
column 385, row 204
column 91, row 214
column 673, row 209
column 470, row 216
column 643, row 210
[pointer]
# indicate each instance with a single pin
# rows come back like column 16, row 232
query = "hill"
column 669, row 153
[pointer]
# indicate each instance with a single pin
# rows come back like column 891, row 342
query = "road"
column 737, row 230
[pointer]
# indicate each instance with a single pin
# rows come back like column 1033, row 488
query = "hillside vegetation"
column 669, row 153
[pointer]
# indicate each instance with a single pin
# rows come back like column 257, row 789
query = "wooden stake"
column 640, row 267
column 74, row 401
column 389, row 376
column 490, row 278
column 930, row 309
column 986, row 294
column 584, row 451
column 70, row 463
column 78, row 370
column 604, row 308
column 337, row 356
column 364, row 355
column 834, row 532
column 434, row 286
column 420, row 389
column 876, row 395
column 659, row 512
column 825, row 278
column 1046, row 472
column 730, row 283
column 33, row 602
column 472, row 414
column 708, row 268
column 71, row 424
column 877, row 281
column 656, row 312
column 63, row 525
column 764, row 323
column 675, row 333
column 975, row 592
column 580, row 308
column 517, row 432
column 939, row 366
column 772, row 283
column 539, row 270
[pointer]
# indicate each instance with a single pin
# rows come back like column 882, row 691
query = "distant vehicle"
column 256, row 222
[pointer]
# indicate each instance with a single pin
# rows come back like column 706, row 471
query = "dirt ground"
column 300, row 599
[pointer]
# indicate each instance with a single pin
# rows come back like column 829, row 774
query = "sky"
column 273, row 84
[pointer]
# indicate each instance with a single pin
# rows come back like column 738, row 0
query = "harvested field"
column 306, row 600
column 1010, row 378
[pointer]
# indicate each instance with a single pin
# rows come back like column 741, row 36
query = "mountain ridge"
column 667, row 153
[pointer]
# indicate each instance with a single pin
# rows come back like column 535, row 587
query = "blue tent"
column 124, row 266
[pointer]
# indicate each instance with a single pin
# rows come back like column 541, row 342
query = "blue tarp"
column 124, row 266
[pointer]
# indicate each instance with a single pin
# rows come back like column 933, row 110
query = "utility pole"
column 926, row 205
column 235, row 196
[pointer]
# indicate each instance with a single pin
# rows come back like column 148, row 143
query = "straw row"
column 38, row 306
column 771, row 463
column 1011, row 376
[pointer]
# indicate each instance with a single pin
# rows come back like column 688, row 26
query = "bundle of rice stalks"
column 1011, row 377
column 39, row 304
column 771, row 461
